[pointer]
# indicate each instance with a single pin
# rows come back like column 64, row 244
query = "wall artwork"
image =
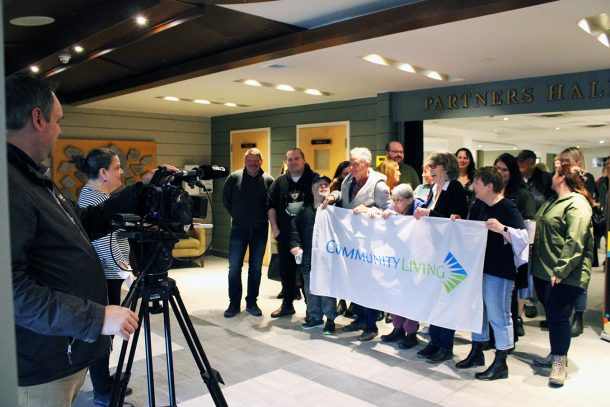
column 137, row 158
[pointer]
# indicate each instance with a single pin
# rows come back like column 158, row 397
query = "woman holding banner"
column 446, row 198
column 506, row 248
column 403, row 203
column 561, row 261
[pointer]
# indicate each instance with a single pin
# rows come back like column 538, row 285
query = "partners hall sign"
column 582, row 91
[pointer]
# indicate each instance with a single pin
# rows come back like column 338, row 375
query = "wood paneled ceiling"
column 189, row 39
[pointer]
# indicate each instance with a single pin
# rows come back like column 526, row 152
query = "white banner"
column 429, row 270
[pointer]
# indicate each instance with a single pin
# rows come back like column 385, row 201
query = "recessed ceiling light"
column 34, row 69
column 557, row 128
column 376, row 59
column 601, row 142
column 202, row 101
column 505, row 119
column 314, row 92
column 598, row 26
column 230, row 104
column 252, row 82
column 480, row 146
column 140, row 20
column 32, row 21
column 78, row 48
column 406, row 67
column 514, row 148
column 171, row 98
column 410, row 68
column 286, row 88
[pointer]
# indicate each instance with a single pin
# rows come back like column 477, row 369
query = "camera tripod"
column 154, row 286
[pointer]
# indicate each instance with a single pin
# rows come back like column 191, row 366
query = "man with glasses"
column 395, row 152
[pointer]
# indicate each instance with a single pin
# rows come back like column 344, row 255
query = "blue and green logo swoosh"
column 456, row 273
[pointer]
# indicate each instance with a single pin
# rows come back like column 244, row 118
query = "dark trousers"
column 288, row 272
column 442, row 337
column 241, row 238
column 99, row 371
column 368, row 316
column 558, row 303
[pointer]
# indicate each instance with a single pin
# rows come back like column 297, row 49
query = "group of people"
column 506, row 196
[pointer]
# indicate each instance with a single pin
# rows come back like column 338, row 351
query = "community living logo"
column 456, row 274
column 450, row 272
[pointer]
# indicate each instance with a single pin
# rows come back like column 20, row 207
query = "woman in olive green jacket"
column 561, row 261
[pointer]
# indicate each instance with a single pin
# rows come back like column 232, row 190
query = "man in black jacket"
column 245, row 197
column 285, row 198
column 537, row 181
column 62, row 321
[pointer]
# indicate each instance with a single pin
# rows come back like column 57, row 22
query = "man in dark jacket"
column 538, row 182
column 301, row 242
column 62, row 320
column 245, row 197
column 285, row 198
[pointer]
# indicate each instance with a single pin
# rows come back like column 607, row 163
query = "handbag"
column 598, row 218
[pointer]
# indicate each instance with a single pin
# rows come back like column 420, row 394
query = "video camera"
column 164, row 202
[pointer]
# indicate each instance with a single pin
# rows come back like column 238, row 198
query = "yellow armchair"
column 194, row 246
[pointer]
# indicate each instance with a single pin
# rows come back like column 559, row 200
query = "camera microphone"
column 212, row 172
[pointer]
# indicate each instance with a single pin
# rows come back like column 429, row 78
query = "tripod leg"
column 168, row 353
column 121, row 379
column 149, row 362
column 210, row 376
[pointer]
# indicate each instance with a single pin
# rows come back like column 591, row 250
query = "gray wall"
column 370, row 126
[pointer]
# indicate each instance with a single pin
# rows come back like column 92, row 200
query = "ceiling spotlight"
column 434, row 75
column 32, row 21
column 34, row 69
column 287, row 88
column 601, row 142
column 505, row 119
column 480, row 146
column 230, row 104
column 171, row 98
column 252, row 82
column 514, row 148
column 140, row 20
column 406, row 67
column 603, row 38
column 376, row 59
column 78, row 49
column 557, row 128
column 314, row 92
column 202, row 101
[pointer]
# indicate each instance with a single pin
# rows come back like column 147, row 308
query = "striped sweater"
column 110, row 248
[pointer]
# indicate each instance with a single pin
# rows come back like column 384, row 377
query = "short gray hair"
column 404, row 191
column 448, row 161
column 361, row 153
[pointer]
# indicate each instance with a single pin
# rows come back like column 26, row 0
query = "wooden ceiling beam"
column 399, row 19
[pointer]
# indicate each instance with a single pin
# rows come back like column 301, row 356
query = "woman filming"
column 561, row 261
column 103, row 168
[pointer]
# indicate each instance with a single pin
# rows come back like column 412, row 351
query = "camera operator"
column 62, row 321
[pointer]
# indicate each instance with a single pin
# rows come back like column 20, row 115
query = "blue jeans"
column 317, row 305
column 242, row 238
column 497, row 293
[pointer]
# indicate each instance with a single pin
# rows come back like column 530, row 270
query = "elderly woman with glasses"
column 446, row 198
column 403, row 203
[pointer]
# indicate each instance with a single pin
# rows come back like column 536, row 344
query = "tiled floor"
column 267, row 362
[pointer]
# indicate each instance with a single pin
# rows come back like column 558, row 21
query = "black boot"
column 408, row 341
column 393, row 336
column 576, row 328
column 474, row 358
column 341, row 307
column 497, row 370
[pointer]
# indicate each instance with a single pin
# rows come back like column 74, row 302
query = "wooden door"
column 242, row 141
column 324, row 145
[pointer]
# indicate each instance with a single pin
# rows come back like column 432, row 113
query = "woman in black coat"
column 446, row 198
